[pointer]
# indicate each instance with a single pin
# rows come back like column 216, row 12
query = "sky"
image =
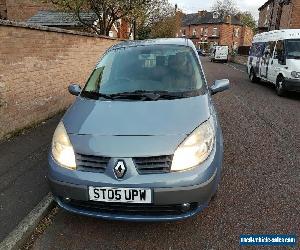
column 190, row 6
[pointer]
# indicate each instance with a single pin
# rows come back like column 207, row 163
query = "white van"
column 219, row 53
column 275, row 57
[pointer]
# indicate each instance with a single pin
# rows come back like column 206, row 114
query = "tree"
column 229, row 7
column 168, row 27
column 248, row 20
column 106, row 11
column 159, row 19
column 225, row 7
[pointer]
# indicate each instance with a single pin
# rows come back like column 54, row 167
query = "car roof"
column 160, row 41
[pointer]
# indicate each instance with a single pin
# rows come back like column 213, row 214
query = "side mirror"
column 74, row 89
column 219, row 86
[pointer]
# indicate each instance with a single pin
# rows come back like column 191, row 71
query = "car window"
column 169, row 68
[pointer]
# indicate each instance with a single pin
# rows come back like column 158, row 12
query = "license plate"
column 124, row 195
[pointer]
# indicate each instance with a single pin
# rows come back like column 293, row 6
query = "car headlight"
column 196, row 148
column 62, row 149
column 295, row 74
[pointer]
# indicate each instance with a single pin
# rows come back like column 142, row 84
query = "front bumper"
column 292, row 85
column 167, row 200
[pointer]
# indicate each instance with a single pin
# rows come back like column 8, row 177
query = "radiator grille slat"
column 153, row 164
column 91, row 163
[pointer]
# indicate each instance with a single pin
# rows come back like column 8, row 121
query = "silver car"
column 142, row 141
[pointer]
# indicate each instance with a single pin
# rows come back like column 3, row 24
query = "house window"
column 201, row 31
column 183, row 32
column 194, row 32
column 236, row 32
column 235, row 46
column 215, row 32
column 111, row 34
column 266, row 22
column 205, row 31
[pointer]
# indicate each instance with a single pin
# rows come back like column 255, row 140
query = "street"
column 259, row 191
column 23, row 167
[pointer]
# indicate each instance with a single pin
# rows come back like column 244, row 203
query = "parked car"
column 142, row 141
column 201, row 52
column 219, row 53
column 275, row 57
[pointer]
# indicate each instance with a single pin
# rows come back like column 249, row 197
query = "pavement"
column 259, row 191
column 23, row 166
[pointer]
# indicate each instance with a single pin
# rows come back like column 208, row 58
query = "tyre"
column 280, row 86
column 253, row 77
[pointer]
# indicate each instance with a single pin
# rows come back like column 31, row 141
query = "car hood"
column 136, row 118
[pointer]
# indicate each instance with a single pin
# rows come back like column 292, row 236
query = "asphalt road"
column 259, row 191
column 23, row 166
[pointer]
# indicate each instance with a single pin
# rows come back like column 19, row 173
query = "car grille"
column 91, row 163
column 153, row 165
column 130, row 209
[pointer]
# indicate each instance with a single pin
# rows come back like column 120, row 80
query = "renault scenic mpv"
column 142, row 141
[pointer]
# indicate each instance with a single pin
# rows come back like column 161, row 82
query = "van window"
column 271, row 47
column 279, row 53
column 293, row 49
column 257, row 49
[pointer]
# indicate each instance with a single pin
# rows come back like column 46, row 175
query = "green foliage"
column 229, row 7
column 248, row 20
column 107, row 11
column 152, row 18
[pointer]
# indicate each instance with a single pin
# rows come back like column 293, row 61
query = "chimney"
column 228, row 19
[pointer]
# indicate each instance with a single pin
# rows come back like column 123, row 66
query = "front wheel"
column 253, row 77
column 280, row 86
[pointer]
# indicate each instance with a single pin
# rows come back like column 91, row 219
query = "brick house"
column 38, row 13
column 207, row 29
column 279, row 14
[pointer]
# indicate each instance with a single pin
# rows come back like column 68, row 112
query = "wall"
column 36, row 67
column 285, row 20
column 22, row 10
column 289, row 18
column 3, row 11
column 264, row 16
column 295, row 14
column 247, row 36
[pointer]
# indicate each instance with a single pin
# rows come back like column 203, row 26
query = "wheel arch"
column 280, row 75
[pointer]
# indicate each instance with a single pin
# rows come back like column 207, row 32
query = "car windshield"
column 141, row 69
column 293, row 49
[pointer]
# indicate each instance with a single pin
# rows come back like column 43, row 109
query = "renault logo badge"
column 120, row 169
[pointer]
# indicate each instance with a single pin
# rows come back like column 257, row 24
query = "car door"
column 277, row 61
column 267, row 59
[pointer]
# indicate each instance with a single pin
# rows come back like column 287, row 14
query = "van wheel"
column 253, row 77
column 280, row 86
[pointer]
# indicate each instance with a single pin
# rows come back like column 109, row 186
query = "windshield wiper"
column 152, row 95
column 137, row 95
column 95, row 95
